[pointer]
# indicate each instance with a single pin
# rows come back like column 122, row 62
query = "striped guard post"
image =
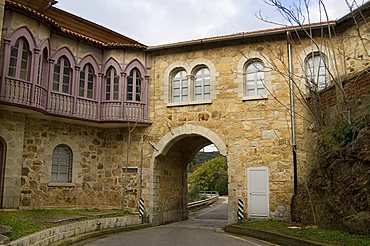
column 141, row 207
column 240, row 210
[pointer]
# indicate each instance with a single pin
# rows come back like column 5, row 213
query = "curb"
column 271, row 237
column 90, row 235
column 59, row 234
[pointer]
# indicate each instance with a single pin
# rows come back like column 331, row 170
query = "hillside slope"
column 338, row 189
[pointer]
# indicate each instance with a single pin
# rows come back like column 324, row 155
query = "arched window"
column 202, row 84
column 316, row 71
column 255, row 79
column 86, row 88
column 61, row 170
column 133, row 92
column 20, row 60
column 62, row 76
column 180, row 87
column 41, row 70
column 112, row 85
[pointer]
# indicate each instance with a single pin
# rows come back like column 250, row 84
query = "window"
column 255, row 79
column 19, row 63
column 180, row 87
column 202, row 84
column 61, row 170
column 111, row 85
column 41, row 70
column 133, row 92
column 86, row 88
column 62, row 76
column 316, row 71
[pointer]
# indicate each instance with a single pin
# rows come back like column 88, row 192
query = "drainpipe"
column 50, row 3
column 292, row 114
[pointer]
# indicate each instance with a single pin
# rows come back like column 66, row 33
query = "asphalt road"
column 204, row 228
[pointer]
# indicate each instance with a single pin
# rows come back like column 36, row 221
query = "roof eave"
column 238, row 37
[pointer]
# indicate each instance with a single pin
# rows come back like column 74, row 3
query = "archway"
column 168, row 202
column 2, row 170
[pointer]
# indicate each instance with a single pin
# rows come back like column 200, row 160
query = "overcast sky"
column 154, row 22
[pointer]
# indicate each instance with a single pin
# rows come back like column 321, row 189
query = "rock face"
column 339, row 188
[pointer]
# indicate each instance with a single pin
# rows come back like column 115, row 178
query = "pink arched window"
column 86, row 88
column 111, row 85
column 133, row 92
column 62, row 76
column 42, row 68
column 20, row 60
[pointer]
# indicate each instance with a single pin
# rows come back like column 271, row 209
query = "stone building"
column 91, row 118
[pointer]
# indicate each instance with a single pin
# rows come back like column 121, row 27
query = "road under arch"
column 169, row 167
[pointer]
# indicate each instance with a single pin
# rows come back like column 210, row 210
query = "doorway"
column 258, row 192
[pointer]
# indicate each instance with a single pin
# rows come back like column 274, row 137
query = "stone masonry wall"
column 97, row 176
column 12, row 132
column 256, row 132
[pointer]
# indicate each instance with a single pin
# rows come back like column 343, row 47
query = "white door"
column 258, row 192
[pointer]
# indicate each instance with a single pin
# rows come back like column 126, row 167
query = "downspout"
column 292, row 114
column 50, row 3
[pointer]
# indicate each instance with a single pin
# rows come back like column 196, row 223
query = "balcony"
column 25, row 94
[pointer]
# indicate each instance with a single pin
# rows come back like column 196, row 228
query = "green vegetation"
column 200, row 158
column 211, row 176
column 193, row 194
column 24, row 222
column 334, row 138
column 312, row 233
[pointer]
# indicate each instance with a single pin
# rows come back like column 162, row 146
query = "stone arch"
column 166, row 142
column 168, row 184
column 241, row 66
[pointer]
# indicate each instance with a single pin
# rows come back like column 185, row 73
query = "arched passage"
column 168, row 202
column 2, row 169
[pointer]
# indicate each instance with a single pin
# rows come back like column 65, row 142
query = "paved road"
column 204, row 227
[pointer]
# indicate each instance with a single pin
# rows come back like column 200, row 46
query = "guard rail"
column 212, row 197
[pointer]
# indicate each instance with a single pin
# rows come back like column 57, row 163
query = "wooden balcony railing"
column 24, row 93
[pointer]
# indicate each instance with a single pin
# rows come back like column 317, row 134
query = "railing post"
column 50, row 85
column 146, row 86
column 123, row 95
column 99, row 95
column 33, row 75
column 75, row 87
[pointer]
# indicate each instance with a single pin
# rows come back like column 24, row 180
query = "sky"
column 154, row 22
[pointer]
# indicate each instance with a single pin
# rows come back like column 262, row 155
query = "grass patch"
column 25, row 222
column 333, row 237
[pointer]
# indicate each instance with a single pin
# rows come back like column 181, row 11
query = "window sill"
column 61, row 184
column 189, row 103
column 254, row 98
